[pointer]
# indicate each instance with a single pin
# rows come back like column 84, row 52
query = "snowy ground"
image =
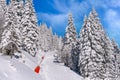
column 56, row 71
column 17, row 70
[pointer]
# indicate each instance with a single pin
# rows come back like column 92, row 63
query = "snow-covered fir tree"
column 47, row 40
column 96, row 55
column 116, row 48
column 117, row 59
column 60, row 43
column 3, row 5
column 55, row 42
column 30, row 30
column 43, row 34
column 2, row 20
column 69, row 41
column 75, row 57
column 59, row 53
column 11, row 32
column 109, row 59
column 18, row 13
column 50, row 38
column 117, row 66
column 21, row 21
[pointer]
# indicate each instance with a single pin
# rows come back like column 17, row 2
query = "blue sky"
column 55, row 14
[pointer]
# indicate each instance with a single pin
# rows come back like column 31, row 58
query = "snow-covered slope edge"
column 15, row 70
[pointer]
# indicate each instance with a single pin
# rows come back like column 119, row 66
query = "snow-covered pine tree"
column 109, row 57
column 117, row 66
column 95, row 49
column 57, row 46
column 25, row 23
column 69, row 41
column 10, row 36
column 55, row 42
column 18, row 12
column 40, row 37
column 59, row 52
column 117, row 59
column 46, row 38
column 2, row 20
column 4, row 5
column 30, row 31
column 116, row 48
column 49, row 38
column 60, row 43
column 75, row 57
column 43, row 31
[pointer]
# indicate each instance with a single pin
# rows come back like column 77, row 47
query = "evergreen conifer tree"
column 69, row 41
column 30, row 31
column 96, row 55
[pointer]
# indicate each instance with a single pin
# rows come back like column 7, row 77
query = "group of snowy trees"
column 69, row 41
column 48, row 41
column 19, row 29
column 93, row 55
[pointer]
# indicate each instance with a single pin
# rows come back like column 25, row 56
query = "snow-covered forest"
column 91, row 54
column 19, row 29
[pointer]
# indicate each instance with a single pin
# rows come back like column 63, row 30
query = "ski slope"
column 15, row 69
column 56, row 71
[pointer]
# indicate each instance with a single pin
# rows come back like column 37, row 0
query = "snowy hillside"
column 12, row 69
column 15, row 70
column 56, row 71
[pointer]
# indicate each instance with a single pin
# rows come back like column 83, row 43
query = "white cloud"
column 106, row 4
column 61, row 6
column 97, row 3
column 54, row 20
column 114, row 3
column 73, row 6
column 112, row 18
column 79, row 8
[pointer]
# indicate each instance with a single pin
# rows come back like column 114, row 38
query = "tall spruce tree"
column 47, row 40
column 43, row 42
column 59, row 53
column 117, row 59
column 11, row 32
column 18, row 12
column 69, row 41
column 50, row 38
column 96, row 55
column 3, row 5
column 2, row 20
column 30, row 31
column 116, row 48
column 55, row 42
column 75, row 57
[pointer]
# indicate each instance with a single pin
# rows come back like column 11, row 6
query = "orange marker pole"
column 37, row 69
